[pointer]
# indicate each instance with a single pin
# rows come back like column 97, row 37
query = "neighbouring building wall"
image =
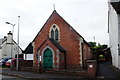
column 119, row 61
column 1, row 46
column 6, row 50
column 119, row 41
column 113, row 34
column 15, row 50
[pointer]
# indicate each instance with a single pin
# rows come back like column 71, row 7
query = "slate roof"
column 57, row 45
column 5, row 39
column 2, row 40
column 29, row 49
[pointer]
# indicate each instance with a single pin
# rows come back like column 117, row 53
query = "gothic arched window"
column 54, row 33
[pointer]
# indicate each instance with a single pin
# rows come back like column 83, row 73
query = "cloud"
column 88, row 17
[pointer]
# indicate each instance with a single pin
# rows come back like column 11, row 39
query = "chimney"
column 9, row 37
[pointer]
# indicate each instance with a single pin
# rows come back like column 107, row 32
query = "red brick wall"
column 69, row 39
column 92, row 69
column 87, row 55
column 61, row 63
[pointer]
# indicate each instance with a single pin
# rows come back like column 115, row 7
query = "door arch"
column 48, row 59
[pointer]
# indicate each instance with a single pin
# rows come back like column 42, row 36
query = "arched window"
column 56, row 35
column 54, row 32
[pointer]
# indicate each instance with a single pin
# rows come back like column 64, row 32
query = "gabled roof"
column 29, row 49
column 5, row 39
column 55, row 12
column 55, row 43
column 44, row 24
column 2, row 40
column 17, row 45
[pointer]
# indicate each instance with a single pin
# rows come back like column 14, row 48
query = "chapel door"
column 48, row 59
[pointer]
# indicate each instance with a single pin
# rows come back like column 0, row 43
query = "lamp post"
column 12, row 25
column 11, row 40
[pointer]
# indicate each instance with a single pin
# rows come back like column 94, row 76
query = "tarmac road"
column 104, row 71
column 6, row 77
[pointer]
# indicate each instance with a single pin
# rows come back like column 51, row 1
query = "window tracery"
column 54, row 33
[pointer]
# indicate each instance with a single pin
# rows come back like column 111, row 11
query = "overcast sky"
column 87, row 17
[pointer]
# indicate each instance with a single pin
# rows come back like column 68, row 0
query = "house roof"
column 5, row 39
column 44, row 25
column 55, row 43
column 29, row 49
column 18, row 46
column 55, row 12
column 2, row 40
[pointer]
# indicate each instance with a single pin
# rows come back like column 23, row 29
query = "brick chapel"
column 57, row 46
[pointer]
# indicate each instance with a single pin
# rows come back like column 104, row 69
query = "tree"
column 96, row 49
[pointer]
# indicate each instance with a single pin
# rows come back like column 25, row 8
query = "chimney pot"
column 9, row 33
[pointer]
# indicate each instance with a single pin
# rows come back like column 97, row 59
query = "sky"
column 88, row 17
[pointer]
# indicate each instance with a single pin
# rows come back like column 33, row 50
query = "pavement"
column 116, row 70
column 36, row 76
column 105, row 70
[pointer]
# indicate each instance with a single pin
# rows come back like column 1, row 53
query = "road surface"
column 105, row 71
column 6, row 77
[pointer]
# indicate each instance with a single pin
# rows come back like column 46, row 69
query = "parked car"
column 8, row 63
column 3, row 61
column 0, row 62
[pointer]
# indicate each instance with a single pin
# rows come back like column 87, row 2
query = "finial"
column 54, row 6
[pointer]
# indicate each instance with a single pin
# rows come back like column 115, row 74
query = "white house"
column 8, row 47
column 114, row 31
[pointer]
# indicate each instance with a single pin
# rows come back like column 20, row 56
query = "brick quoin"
column 70, row 40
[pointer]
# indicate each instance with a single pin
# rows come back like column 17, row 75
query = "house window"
column 54, row 32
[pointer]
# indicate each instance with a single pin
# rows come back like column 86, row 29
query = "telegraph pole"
column 17, row 66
